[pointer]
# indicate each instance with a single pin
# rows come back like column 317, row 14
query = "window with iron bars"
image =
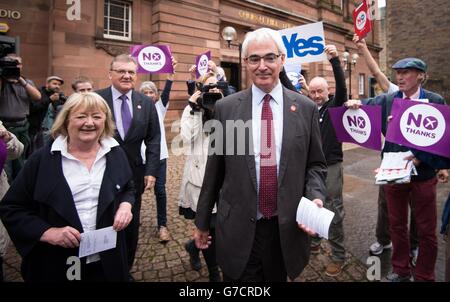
column 117, row 20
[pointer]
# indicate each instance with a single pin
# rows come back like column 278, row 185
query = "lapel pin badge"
column 293, row 108
column 139, row 107
column 117, row 187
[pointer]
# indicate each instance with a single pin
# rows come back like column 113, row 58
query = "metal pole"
column 240, row 68
column 350, row 80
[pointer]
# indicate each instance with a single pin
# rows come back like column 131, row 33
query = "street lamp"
column 229, row 34
column 349, row 63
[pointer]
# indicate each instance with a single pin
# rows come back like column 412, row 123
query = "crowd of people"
column 81, row 163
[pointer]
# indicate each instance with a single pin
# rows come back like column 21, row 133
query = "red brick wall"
column 73, row 46
column 417, row 28
column 33, row 30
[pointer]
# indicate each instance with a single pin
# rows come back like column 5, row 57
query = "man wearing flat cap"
column 420, row 193
column 51, row 94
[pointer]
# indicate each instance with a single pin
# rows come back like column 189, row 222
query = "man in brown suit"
column 258, row 175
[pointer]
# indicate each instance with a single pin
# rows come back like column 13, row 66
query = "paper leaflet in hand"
column 313, row 217
column 395, row 168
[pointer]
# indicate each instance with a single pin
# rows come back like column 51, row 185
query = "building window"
column 373, row 89
column 344, row 7
column 361, row 79
column 117, row 20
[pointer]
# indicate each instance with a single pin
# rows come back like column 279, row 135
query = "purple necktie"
column 126, row 115
column 268, row 162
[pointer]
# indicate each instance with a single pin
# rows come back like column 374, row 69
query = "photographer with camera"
column 206, row 96
column 42, row 114
column 195, row 114
column 16, row 94
column 191, row 84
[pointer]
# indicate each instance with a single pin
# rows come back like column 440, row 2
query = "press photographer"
column 191, row 84
column 208, row 93
column 43, row 114
column 16, row 95
column 202, row 101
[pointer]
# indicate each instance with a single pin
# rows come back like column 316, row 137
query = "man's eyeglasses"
column 269, row 58
column 123, row 72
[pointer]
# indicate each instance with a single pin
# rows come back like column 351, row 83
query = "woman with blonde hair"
column 78, row 183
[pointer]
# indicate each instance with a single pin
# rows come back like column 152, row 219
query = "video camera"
column 8, row 66
column 207, row 100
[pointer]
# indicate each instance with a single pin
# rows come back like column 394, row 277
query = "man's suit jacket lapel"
column 110, row 101
column 245, row 114
column 289, row 122
column 290, row 116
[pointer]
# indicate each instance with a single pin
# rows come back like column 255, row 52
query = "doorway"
column 231, row 73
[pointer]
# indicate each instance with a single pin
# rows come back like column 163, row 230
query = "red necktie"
column 268, row 162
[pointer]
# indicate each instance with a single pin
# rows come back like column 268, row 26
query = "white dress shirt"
column 161, row 110
column 84, row 184
column 164, row 152
column 392, row 88
column 414, row 96
column 276, row 104
column 117, row 102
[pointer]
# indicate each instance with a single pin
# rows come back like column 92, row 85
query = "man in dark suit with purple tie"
column 259, row 174
column 136, row 121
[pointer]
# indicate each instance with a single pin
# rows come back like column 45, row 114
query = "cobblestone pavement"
column 156, row 262
column 360, row 202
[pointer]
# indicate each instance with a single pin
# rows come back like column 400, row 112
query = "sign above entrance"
column 10, row 14
column 263, row 20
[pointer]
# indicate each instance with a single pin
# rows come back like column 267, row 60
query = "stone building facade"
column 54, row 40
column 417, row 28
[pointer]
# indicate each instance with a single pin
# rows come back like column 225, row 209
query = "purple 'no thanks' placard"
column 361, row 126
column 422, row 126
column 152, row 58
column 202, row 63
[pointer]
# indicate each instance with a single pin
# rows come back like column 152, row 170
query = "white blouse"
column 84, row 184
